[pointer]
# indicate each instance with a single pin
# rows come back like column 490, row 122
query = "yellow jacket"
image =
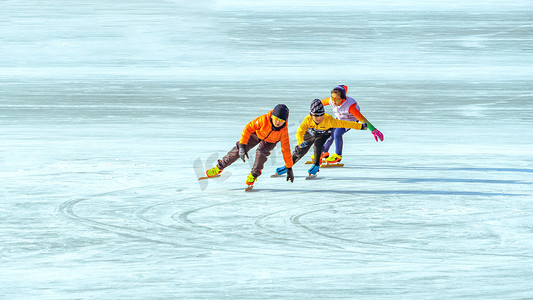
column 329, row 122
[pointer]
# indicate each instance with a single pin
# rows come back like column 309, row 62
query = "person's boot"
column 213, row 172
column 281, row 170
column 333, row 159
column 250, row 180
column 324, row 155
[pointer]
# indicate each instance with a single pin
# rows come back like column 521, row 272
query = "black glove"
column 364, row 126
column 242, row 152
column 290, row 175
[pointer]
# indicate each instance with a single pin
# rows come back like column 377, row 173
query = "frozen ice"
column 109, row 110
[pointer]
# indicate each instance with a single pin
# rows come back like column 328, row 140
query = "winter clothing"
column 314, row 169
column 337, row 137
column 290, row 175
column 319, row 129
column 281, row 111
column 317, row 108
column 334, row 158
column 281, row 170
column 260, row 132
column 318, row 141
column 317, row 134
column 261, row 154
column 250, row 180
column 342, row 89
column 324, row 155
column 263, row 128
column 242, row 152
column 213, row 172
column 347, row 110
column 377, row 135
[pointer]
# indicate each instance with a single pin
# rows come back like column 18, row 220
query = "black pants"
column 261, row 154
column 318, row 140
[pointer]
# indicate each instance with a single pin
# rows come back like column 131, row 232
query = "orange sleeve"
column 354, row 111
column 286, row 147
column 325, row 101
column 250, row 128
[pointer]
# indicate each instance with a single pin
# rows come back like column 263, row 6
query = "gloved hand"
column 304, row 144
column 364, row 126
column 313, row 170
column 290, row 175
column 377, row 135
column 242, row 152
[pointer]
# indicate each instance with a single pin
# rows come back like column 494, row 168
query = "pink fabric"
column 377, row 135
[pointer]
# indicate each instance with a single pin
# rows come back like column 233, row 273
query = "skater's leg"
column 300, row 152
column 337, row 135
column 233, row 154
column 261, row 156
column 319, row 143
column 328, row 144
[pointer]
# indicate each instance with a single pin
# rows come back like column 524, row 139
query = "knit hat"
column 281, row 111
column 342, row 89
column 317, row 108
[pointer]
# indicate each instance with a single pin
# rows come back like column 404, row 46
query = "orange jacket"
column 262, row 127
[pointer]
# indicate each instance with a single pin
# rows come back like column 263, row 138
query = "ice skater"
column 345, row 108
column 266, row 131
column 315, row 129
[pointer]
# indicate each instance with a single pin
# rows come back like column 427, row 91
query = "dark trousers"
column 317, row 140
column 261, row 154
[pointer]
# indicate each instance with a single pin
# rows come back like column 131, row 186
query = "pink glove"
column 377, row 135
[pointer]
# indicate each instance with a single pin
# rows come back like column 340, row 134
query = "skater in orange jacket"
column 315, row 129
column 266, row 131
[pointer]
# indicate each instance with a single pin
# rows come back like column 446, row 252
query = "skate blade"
column 277, row 175
column 325, row 165
column 207, row 177
column 311, row 177
column 332, row 165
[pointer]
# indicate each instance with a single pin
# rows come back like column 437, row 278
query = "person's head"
column 338, row 94
column 317, row 111
column 280, row 115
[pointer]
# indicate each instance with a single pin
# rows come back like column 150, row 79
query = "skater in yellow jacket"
column 315, row 130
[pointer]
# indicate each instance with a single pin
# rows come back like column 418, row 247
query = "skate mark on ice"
column 143, row 226
column 489, row 237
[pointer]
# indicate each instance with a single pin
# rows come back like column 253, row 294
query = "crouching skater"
column 315, row 130
column 345, row 108
column 266, row 131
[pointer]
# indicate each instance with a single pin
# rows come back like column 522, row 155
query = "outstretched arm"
column 356, row 113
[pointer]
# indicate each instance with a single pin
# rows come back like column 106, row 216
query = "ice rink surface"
column 109, row 110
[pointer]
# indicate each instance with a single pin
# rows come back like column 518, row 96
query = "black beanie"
column 317, row 108
column 281, row 111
